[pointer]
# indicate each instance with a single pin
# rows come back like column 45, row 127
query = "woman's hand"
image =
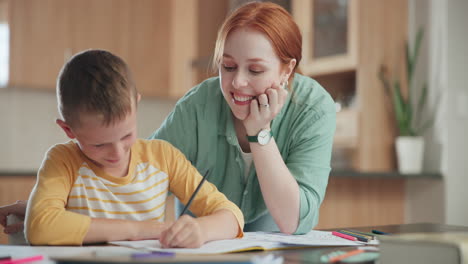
column 264, row 109
column 18, row 209
column 186, row 232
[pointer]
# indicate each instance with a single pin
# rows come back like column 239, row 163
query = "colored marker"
column 338, row 234
column 372, row 236
column 345, row 255
column 379, row 232
column 22, row 260
column 155, row 254
column 359, row 237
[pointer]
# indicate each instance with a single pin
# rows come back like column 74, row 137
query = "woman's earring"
column 284, row 84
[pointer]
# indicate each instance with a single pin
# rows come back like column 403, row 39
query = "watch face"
column 264, row 137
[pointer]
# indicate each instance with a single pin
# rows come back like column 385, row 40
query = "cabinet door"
column 329, row 32
column 102, row 24
column 13, row 188
column 158, row 39
column 149, row 46
column 39, row 33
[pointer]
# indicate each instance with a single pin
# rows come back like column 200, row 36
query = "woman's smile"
column 241, row 99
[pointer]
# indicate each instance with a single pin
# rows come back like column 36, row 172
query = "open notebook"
column 250, row 241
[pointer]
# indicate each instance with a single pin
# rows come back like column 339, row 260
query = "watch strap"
column 255, row 138
column 252, row 138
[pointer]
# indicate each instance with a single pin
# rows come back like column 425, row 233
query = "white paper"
column 64, row 252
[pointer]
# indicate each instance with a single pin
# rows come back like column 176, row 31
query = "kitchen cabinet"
column 329, row 32
column 344, row 45
column 12, row 188
column 39, row 42
column 158, row 39
column 363, row 201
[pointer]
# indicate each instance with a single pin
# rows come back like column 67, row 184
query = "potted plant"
column 411, row 126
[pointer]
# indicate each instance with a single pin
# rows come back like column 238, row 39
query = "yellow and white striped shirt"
column 71, row 190
column 142, row 198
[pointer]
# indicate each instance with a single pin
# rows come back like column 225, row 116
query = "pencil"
column 372, row 236
column 338, row 234
column 194, row 193
column 359, row 237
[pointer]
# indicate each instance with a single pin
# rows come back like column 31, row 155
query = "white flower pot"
column 410, row 152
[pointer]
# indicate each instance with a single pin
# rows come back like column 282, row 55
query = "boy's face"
column 107, row 146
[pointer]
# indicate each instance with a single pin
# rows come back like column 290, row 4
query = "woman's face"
column 249, row 66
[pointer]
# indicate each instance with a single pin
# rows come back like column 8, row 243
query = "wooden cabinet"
column 329, row 32
column 39, row 42
column 361, row 201
column 13, row 188
column 344, row 45
column 158, row 39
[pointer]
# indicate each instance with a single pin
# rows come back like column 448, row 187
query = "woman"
column 279, row 186
column 263, row 131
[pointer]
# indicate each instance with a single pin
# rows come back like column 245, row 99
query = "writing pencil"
column 359, row 237
column 194, row 193
column 372, row 236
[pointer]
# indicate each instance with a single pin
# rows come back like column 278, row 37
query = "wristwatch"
column 263, row 137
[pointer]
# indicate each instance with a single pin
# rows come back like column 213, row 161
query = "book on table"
column 251, row 241
column 427, row 248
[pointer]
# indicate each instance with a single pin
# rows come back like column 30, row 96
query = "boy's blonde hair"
column 97, row 82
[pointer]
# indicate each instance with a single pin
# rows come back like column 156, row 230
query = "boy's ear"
column 66, row 128
column 138, row 97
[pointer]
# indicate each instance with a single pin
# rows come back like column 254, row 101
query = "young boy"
column 107, row 185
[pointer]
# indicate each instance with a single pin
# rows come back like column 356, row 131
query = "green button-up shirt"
column 201, row 126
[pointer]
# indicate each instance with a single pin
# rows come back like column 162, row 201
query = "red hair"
column 268, row 18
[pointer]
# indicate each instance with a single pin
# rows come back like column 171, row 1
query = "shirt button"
column 246, row 192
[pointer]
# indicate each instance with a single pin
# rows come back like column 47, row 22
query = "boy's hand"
column 18, row 209
column 186, row 232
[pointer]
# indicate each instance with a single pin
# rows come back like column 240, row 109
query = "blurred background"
column 168, row 45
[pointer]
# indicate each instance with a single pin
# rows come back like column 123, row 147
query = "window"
column 4, row 53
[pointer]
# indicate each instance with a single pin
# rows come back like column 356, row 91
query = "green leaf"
column 417, row 45
column 400, row 107
column 409, row 63
column 405, row 112
column 422, row 100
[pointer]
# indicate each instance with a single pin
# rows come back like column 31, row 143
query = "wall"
column 456, row 114
column 28, row 129
column 443, row 64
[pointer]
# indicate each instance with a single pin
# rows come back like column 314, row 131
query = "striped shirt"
column 141, row 199
column 70, row 190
